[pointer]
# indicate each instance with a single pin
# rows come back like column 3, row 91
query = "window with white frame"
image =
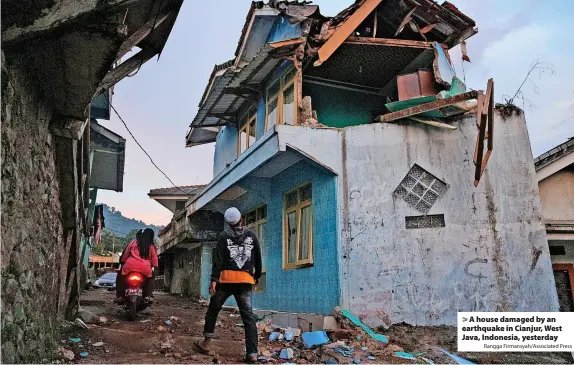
column 281, row 100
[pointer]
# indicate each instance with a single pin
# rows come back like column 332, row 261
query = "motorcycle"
column 134, row 300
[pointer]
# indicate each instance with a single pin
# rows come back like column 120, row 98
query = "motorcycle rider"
column 120, row 289
column 140, row 256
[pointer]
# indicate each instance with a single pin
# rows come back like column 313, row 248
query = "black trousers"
column 242, row 294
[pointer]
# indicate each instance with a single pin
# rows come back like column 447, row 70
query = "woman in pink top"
column 140, row 256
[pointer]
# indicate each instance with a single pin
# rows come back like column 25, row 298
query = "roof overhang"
column 108, row 158
column 278, row 149
column 231, row 87
column 74, row 48
column 555, row 160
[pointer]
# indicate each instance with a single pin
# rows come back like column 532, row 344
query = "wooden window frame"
column 298, row 208
column 254, row 227
column 283, row 85
column 251, row 116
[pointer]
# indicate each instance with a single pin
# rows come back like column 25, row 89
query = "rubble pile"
column 353, row 343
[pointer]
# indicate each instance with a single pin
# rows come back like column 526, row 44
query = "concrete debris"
column 98, row 344
column 65, row 354
column 78, row 322
column 315, row 338
column 287, row 354
column 88, row 317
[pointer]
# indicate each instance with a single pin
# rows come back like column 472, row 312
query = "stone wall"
column 31, row 224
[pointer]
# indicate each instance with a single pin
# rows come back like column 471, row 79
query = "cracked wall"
column 492, row 255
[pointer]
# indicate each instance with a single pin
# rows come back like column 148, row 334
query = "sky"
column 160, row 101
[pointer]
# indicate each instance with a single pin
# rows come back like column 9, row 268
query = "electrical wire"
column 140, row 146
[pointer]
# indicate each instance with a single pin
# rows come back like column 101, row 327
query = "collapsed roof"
column 404, row 33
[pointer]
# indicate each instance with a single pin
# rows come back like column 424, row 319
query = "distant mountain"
column 120, row 225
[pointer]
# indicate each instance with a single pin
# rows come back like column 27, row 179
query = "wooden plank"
column 345, row 30
column 490, row 110
column 427, row 107
column 389, row 42
column 289, row 42
column 434, row 123
column 125, row 68
column 140, row 34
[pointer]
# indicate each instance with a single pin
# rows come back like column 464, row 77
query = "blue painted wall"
column 283, row 30
column 226, row 143
column 225, row 149
column 308, row 290
column 342, row 108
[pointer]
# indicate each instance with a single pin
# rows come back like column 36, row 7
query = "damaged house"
column 374, row 178
column 555, row 176
column 60, row 60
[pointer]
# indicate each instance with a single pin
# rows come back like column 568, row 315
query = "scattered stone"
column 174, row 318
column 65, row 354
column 88, row 317
column 177, row 355
column 80, row 323
column 103, row 320
column 161, row 329
column 145, row 321
column 287, row 354
column 98, row 344
column 107, row 351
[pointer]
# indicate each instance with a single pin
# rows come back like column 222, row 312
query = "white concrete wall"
column 491, row 256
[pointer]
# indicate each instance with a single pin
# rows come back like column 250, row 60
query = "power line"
column 140, row 146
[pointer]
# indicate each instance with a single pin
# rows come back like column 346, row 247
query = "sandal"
column 198, row 344
column 251, row 359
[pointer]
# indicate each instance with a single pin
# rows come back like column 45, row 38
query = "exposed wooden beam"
column 345, row 30
column 389, row 42
column 60, row 14
column 125, row 68
column 484, row 117
column 289, row 42
column 142, row 33
column 434, row 123
column 68, row 127
column 427, row 107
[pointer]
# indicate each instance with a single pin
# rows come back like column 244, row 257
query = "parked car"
column 107, row 281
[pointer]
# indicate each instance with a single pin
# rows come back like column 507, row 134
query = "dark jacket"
column 237, row 249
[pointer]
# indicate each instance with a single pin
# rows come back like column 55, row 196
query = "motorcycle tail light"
column 135, row 278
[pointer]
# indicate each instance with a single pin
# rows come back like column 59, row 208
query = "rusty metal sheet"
column 416, row 84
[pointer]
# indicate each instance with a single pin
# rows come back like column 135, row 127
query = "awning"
column 108, row 151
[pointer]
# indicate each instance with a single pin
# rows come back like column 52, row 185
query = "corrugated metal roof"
column 554, row 154
column 180, row 190
column 220, row 102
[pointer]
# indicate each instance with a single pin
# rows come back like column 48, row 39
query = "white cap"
column 232, row 216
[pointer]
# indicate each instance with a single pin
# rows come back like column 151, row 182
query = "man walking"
column 236, row 269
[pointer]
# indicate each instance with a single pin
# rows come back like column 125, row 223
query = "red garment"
column 133, row 261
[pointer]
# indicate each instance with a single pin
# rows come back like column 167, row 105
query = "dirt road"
column 141, row 341
column 150, row 339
